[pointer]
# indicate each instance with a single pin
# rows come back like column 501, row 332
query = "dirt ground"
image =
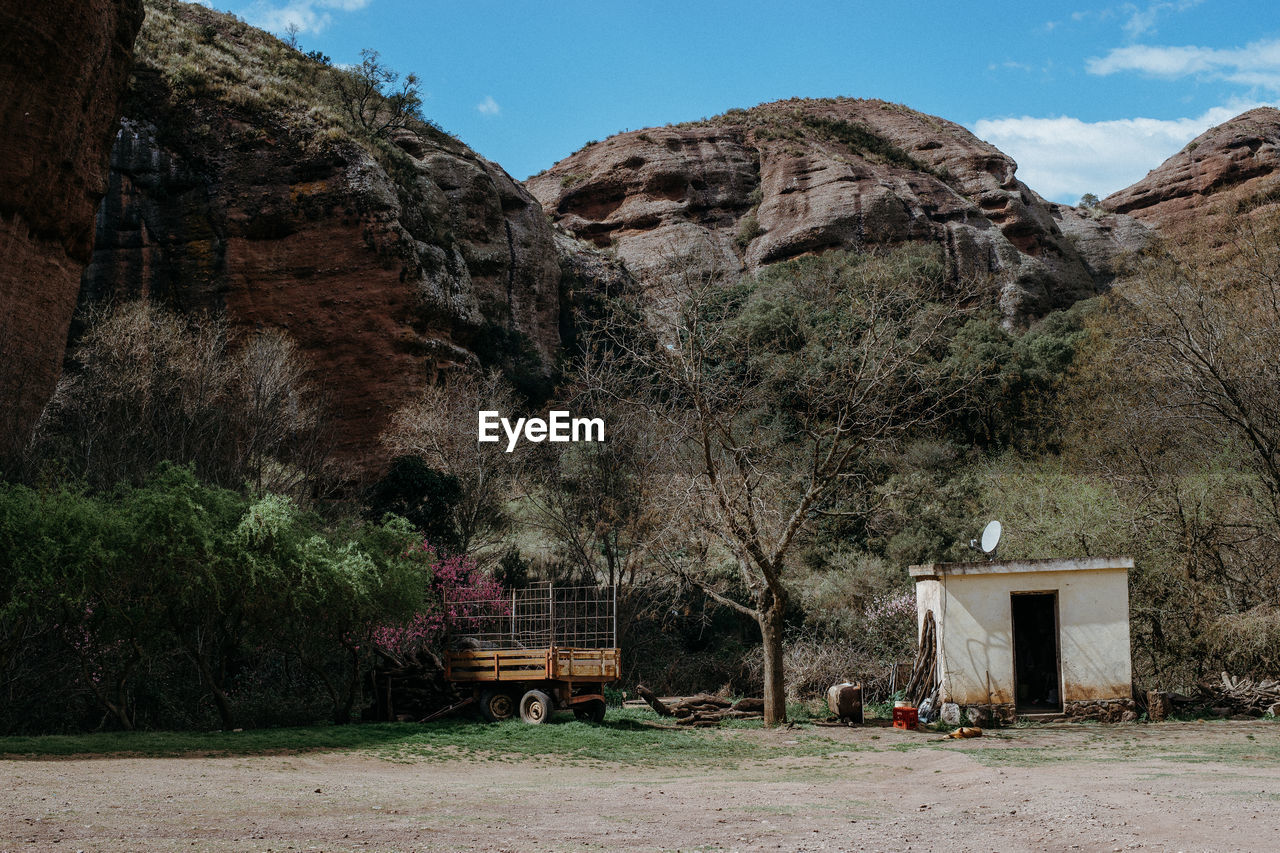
column 1173, row 786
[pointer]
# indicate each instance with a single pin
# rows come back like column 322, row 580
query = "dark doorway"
column 1035, row 651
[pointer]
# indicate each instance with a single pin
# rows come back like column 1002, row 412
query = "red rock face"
column 378, row 292
column 62, row 74
column 387, row 260
column 1228, row 170
column 759, row 186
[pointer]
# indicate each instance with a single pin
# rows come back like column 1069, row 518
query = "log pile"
column 924, row 672
column 409, row 687
column 1248, row 697
column 703, row 710
column 1229, row 695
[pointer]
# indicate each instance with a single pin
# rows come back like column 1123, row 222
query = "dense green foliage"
column 1022, row 372
column 179, row 603
column 421, row 495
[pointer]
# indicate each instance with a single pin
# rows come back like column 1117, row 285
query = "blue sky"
column 1086, row 96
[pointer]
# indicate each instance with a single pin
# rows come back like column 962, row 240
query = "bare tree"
column 150, row 386
column 772, row 397
column 594, row 500
column 441, row 427
column 282, row 440
column 376, row 98
column 1209, row 334
column 1183, row 417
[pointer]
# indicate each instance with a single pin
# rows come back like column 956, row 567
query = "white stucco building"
column 1031, row 636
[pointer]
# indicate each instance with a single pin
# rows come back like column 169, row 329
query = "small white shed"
column 1031, row 636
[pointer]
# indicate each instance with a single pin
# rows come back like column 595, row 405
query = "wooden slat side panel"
column 488, row 655
column 534, row 664
column 578, row 664
column 499, row 665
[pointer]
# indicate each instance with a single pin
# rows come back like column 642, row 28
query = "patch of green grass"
column 864, row 141
column 807, row 711
column 1026, row 756
column 1247, row 752
column 159, row 744
column 1223, row 753
column 626, row 737
column 748, row 230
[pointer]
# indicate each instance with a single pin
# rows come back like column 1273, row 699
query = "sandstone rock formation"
column 1226, row 171
column 386, row 260
column 757, row 186
column 62, row 74
column 1105, row 241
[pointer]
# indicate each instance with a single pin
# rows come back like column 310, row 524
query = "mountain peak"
column 1229, row 170
column 788, row 178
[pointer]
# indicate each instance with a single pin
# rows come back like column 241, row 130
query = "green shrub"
column 748, row 230
column 176, row 603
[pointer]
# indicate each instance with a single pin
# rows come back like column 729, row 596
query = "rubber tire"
column 497, row 705
column 536, row 708
column 590, row 712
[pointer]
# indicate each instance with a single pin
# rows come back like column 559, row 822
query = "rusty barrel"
column 845, row 701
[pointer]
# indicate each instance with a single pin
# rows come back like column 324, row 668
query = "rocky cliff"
column 62, row 72
column 780, row 180
column 1229, row 170
column 238, row 186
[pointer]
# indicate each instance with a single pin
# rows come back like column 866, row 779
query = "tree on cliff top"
column 777, row 394
column 376, row 98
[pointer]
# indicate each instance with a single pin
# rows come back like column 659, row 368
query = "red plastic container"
column 906, row 718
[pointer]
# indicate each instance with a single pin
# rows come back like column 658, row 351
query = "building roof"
column 933, row 571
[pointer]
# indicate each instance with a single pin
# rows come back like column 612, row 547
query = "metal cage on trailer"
column 536, row 651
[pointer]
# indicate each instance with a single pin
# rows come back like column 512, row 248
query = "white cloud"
column 309, row 16
column 1256, row 64
column 1063, row 158
column 1135, row 20
column 488, row 106
column 1143, row 20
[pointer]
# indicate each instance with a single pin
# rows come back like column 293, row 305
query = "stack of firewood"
column 924, row 672
column 704, row 709
column 1230, row 695
column 1249, row 697
column 408, row 687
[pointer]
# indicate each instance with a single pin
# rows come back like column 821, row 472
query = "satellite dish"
column 991, row 538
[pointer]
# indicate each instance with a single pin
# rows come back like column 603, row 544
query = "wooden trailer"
column 542, row 650
column 535, row 682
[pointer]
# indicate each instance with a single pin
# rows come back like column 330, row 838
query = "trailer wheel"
column 590, row 712
column 497, row 705
column 535, row 707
